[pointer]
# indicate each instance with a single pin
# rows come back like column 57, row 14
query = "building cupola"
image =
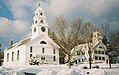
column 97, row 37
column 40, row 25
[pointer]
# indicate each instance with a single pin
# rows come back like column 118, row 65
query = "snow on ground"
column 60, row 70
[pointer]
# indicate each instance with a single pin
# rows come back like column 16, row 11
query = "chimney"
column 11, row 42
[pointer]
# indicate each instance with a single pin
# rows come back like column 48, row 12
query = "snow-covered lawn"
column 60, row 70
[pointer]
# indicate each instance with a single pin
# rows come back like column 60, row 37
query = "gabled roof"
column 43, row 36
column 21, row 42
column 84, row 47
column 100, row 43
column 29, row 40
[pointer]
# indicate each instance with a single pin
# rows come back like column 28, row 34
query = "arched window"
column 41, row 21
column 42, row 50
column 7, row 57
column 36, row 13
column 41, row 13
column 30, row 55
column 12, row 56
column 18, row 55
column 100, row 46
column 34, row 29
column 43, row 42
column 36, row 22
column 53, row 51
column 31, row 49
column 54, row 58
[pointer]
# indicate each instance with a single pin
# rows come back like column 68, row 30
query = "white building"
column 98, row 51
column 39, row 45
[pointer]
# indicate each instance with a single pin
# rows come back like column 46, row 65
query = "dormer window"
column 43, row 42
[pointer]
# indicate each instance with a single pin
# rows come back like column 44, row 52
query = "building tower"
column 97, row 37
column 40, row 25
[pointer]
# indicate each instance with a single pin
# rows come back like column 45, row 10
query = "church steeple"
column 97, row 37
column 40, row 25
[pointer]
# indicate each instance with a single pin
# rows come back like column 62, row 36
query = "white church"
column 38, row 46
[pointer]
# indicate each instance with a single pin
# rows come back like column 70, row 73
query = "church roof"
column 44, row 36
column 84, row 47
column 21, row 42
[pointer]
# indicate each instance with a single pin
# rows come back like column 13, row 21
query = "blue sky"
column 16, row 15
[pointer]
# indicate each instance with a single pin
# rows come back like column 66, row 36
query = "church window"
column 12, row 56
column 41, row 13
column 36, row 22
column 42, row 58
column 36, row 13
column 54, row 58
column 7, row 57
column 103, row 58
column 34, row 29
column 82, row 60
column 31, row 49
column 53, row 51
column 99, row 58
column 30, row 55
column 43, row 29
column 43, row 42
column 18, row 55
column 42, row 50
column 41, row 21
column 96, row 58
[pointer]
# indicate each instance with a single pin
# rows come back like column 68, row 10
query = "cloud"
column 95, row 11
column 11, row 27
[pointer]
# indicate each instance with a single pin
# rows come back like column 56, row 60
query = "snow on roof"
column 21, row 42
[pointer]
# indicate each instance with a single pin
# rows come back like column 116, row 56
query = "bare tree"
column 67, row 36
column 106, row 40
column 89, row 29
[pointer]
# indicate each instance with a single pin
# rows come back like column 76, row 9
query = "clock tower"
column 40, row 25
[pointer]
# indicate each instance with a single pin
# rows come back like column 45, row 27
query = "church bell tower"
column 40, row 25
column 97, row 37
